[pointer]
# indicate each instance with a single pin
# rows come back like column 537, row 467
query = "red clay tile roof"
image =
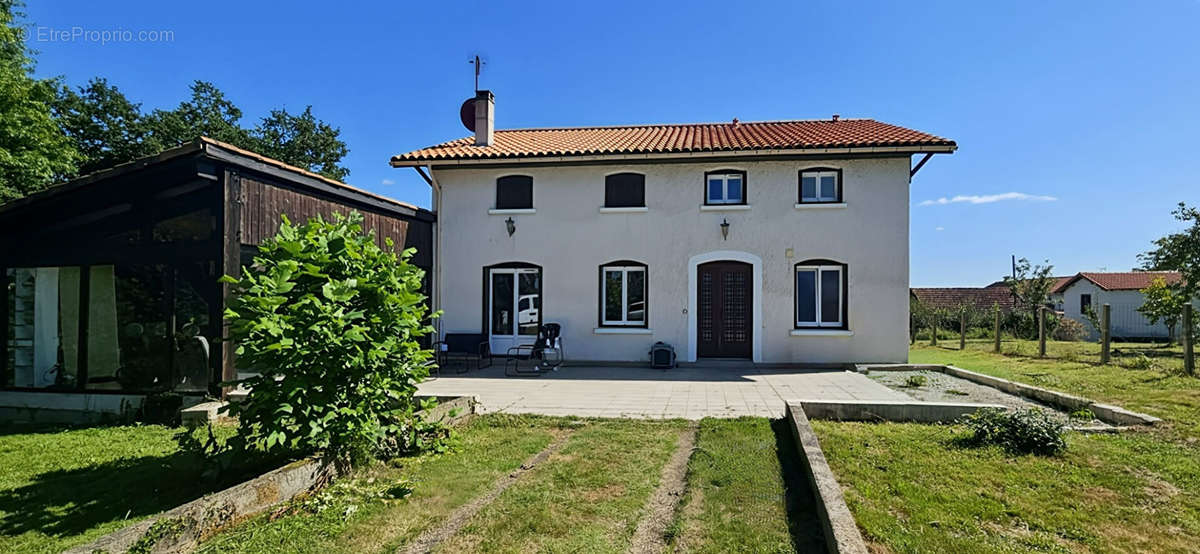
column 682, row 138
column 949, row 298
column 1126, row 280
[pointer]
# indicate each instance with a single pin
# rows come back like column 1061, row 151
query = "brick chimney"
column 485, row 117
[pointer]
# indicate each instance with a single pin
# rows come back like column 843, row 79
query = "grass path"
column 745, row 493
column 587, row 498
column 651, row 534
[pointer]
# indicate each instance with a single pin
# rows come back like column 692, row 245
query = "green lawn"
column 588, row 497
column 913, row 489
column 351, row 518
column 60, row 487
column 745, row 491
column 1159, row 388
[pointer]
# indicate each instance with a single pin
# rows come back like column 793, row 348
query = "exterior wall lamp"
column 724, row 229
column 511, row 225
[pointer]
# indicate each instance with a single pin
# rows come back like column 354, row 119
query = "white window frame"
column 818, row 174
column 818, row 269
column 624, row 270
column 724, row 179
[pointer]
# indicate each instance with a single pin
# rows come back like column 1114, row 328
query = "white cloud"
column 387, row 182
column 939, row 228
column 987, row 199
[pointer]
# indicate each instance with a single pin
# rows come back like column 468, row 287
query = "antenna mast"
column 478, row 65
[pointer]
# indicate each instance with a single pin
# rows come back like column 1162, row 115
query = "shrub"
column 1030, row 431
column 1141, row 361
column 330, row 322
column 1069, row 330
column 915, row 381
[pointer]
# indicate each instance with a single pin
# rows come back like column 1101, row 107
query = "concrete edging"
column 1107, row 413
column 182, row 528
column 837, row 523
column 889, row 410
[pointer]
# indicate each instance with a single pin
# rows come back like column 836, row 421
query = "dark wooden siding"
column 262, row 204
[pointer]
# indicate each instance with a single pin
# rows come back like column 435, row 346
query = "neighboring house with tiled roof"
column 1122, row 291
column 775, row 241
column 950, row 298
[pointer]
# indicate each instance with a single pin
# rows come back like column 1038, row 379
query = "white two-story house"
column 777, row 242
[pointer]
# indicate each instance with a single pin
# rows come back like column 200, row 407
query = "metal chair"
column 546, row 352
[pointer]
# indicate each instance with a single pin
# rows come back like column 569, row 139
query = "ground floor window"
column 623, row 294
column 820, row 294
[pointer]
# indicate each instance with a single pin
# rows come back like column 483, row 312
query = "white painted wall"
column 1126, row 321
column 570, row 239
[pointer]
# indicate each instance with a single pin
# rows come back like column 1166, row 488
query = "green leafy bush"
column 330, row 322
column 915, row 381
column 1069, row 330
column 1030, row 431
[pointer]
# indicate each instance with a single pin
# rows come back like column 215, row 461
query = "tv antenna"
column 478, row 65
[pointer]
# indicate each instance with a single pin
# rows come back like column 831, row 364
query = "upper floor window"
column 820, row 184
column 820, row 294
column 625, row 190
column 514, row 192
column 623, row 294
column 725, row 187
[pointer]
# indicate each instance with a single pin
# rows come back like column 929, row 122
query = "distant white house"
column 1123, row 291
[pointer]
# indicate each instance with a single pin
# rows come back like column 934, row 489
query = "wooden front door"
column 724, row 303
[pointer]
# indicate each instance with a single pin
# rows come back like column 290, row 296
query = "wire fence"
column 1043, row 333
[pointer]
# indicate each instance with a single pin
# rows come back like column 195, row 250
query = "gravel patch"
column 939, row 387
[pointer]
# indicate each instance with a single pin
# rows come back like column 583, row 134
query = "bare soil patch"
column 650, row 536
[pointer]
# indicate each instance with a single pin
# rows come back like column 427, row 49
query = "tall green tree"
column 33, row 150
column 207, row 113
column 105, row 126
column 1164, row 302
column 108, row 128
column 1179, row 251
column 1030, row 286
column 302, row 140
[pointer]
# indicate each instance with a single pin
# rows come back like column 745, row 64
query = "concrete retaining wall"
column 181, row 529
column 841, row 532
column 889, row 410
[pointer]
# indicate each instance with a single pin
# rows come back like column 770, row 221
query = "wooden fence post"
column 1189, row 355
column 1105, row 333
column 962, row 331
column 996, row 311
column 933, row 330
column 1041, row 321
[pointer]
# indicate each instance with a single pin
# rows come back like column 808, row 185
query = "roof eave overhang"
column 873, row 151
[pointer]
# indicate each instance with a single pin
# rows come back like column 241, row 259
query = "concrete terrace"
column 727, row 390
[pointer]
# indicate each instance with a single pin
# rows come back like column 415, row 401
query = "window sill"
column 820, row 205
column 622, row 331
column 821, row 333
column 724, row 207
column 628, row 210
column 516, row 211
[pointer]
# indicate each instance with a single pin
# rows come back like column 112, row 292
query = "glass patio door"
column 515, row 307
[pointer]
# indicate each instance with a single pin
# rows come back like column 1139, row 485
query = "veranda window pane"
column 529, row 287
column 612, row 296
column 806, row 296
column 43, row 341
column 831, row 294
column 637, row 295
column 808, row 186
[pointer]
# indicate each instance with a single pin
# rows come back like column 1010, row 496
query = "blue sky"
column 1076, row 121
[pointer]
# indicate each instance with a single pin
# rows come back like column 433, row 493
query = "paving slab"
column 690, row 392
